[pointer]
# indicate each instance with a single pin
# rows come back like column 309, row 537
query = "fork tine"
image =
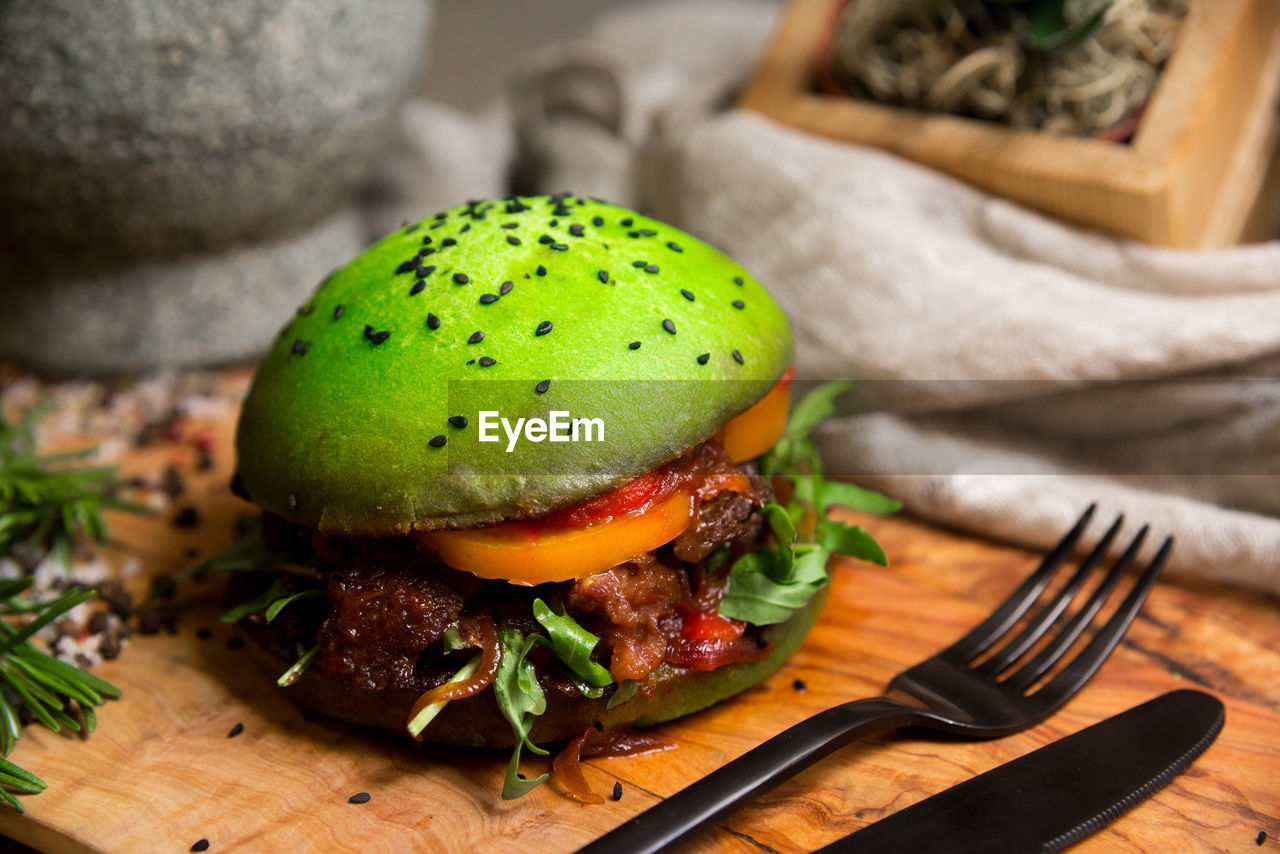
column 1014, row 649
column 1061, row 687
column 1047, row 657
column 994, row 626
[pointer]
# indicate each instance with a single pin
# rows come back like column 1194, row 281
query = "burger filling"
column 393, row 617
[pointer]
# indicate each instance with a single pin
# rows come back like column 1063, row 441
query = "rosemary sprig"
column 46, row 500
column 48, row 503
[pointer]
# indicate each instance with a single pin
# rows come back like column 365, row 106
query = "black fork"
column 956, row 690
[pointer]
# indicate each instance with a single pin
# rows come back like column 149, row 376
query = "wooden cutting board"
column 162, row 773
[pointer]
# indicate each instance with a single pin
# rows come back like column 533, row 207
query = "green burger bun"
column 520, row 306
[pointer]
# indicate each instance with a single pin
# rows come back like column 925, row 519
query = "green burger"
column 526, row 474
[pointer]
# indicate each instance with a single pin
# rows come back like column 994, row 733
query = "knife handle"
column 751, row 775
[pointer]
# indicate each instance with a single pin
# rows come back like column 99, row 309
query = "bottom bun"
column 667, row 693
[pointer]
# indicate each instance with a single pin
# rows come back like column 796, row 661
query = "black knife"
column 1057, row 795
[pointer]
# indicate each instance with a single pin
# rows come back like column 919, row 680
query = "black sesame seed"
column 652, row 268
column 647, row 232
column 546, row 240
column 541, row 271
column 577, row 230
column 461, row 278
column 597, row 221
column 471, row 361
column 737, row 280
column 704, row 358
column 640, row 264
column 360, row 798
column 338, row 310
column 673, row 246
column 235, row 730
column 438, row 441
column 436, row 225
column 799, row 685
column 626, row 223
column 476, row 337
column 603, row 276
column 634, row 345
column 466, row 227
column 486, row 362
column 543, row 328
column 425, row 251
column 669, row 326
column 368, row 331
column 737, row 357
column 458, row 421
column 407, row 266
column 553, row 223
column 433, row 322
column 417, row 287
column 448, row 241
column 617, row 790
column 687, row 294
column 541, row 388
column 559, row 247
column 442, row 215
column 739, row 304
column 380, row 337
column 506, row 288
column 511, row 225
column 513, row 240
column 423, row 272
column 200, row 845
column 633, row 234
column 411, row 229
column 426, row 240
column 488, row 299
column 297, row 348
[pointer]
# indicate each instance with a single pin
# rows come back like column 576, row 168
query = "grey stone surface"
column 140, row 140
column 194, row 310
column 147, row 126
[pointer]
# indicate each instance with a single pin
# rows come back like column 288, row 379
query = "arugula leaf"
column 828, row 492
column 258, row 603
column 769, row 585
column 274, row 609
column 521, row 699
column 844, row 539
column 428, row 714
column 625, row 691
column 572, row 644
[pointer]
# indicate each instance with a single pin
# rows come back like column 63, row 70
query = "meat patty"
column 381, row 621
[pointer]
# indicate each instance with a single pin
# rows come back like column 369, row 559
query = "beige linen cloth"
column 1011, row 369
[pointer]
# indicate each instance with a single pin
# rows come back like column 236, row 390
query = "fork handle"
column 751, row 775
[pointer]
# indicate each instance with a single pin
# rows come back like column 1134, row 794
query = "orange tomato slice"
column 759, row 428
column 527, row 553
column 610, row 529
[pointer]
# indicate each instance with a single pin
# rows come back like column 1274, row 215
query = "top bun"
column 521, row 306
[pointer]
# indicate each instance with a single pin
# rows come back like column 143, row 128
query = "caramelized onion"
column 568, row 772
column 481, row 632
column 624, row 741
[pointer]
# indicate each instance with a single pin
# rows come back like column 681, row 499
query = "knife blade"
column 1056, row 795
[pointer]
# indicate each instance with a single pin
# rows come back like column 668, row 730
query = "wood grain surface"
column 162, row 773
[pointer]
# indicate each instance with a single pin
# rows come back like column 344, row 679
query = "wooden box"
column 1201, row 170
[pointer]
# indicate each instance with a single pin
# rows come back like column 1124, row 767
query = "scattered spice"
column 800, row 685
column 200, row 845
column 617, row 790
column 235, row 730
column 187, row 517
column 359, row 798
